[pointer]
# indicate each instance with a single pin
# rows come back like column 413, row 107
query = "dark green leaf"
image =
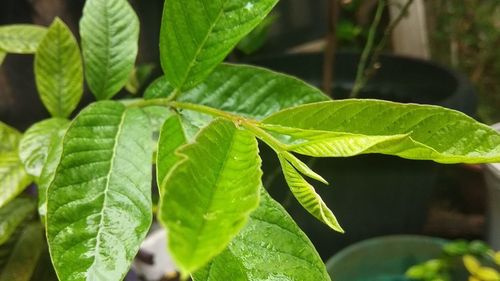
column 12, row 215
column 25, row 255
column 110, row 35
column 270, row 247
column 59, row 71
column 197, row 35
column 257, row 38
column 203, row 213
column 99, row 202
column 160, row 88
column 13, row 177
column 21, row 38
column 432, row 133
column 35, row 143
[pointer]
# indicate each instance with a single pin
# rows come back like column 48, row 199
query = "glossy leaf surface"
column 307, row 196
column 172, row 136
column 99, row 202
column 21, row 38
column 9, row 138
column 220, row 178
column 270, row 247
column 12, row 215
column 13, row 177
column 25, row 255
column 433, row 133
column 35, row 143
column 197, row 35
column 110, row 34
column 59, row 70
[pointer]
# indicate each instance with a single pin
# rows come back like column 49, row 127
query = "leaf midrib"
column 106, row 190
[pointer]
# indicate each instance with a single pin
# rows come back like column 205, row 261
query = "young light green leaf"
column 329, row 144
column 433, row 133
column 307, row 196
column 99, row 201
column 35, row 143
column 110, row 35
column 9, row 138
column 12, row 215
column 301, row 166
column 270, row 235
column 13, row 178
column 172, row 136
column 3, row 54
column 21, row 38
column 59, row 70
column 25, row 255
column 197, row 35
column 220, row 199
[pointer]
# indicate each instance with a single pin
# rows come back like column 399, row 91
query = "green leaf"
column 160, row 88
column 35, row 143
column 203, row 213
column 21, row 38
column 12, row 215
column 59, row 70
column 138, row 77
column 329, row 144
column 13, row 178
column 249, row 91
column 433, row 133
column 172, row 136
column 270, row 235
column 9, row 138
column 197, row 35
column 25, row 255
column 99, row 201
column 110, row 35
column 257, row 38
column 48, row 171
column 3, row 54
column 307, row 196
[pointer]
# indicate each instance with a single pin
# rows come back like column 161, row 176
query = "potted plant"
column 93, row 172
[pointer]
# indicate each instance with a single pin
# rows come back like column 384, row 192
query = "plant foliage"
column 205, row 119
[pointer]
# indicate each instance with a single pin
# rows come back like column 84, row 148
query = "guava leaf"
column 12, row 215
column 159, row 88
column 307, row 196
column 59, row 70
column 172, row 136
column 197, row 35
column 35, row 143
column 21, row 38
column 9, row 137
column 432, row 133
column 208, row 196
column 25, row 254
column 99, row 201
column 270, row 236
column 110, row 35
column 13, row 177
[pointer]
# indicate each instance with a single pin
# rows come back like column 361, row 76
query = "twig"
column 364, row 74
column 358, row 82
column 330, row 48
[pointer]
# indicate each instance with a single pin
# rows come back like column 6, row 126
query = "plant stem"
column 360, row 79
column 330, row 48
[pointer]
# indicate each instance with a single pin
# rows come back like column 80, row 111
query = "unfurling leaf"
column 220, row 177
column 99, row 201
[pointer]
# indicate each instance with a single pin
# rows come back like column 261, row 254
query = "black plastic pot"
column 372, row 195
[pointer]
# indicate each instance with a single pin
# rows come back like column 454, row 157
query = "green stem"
column 359, row 82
